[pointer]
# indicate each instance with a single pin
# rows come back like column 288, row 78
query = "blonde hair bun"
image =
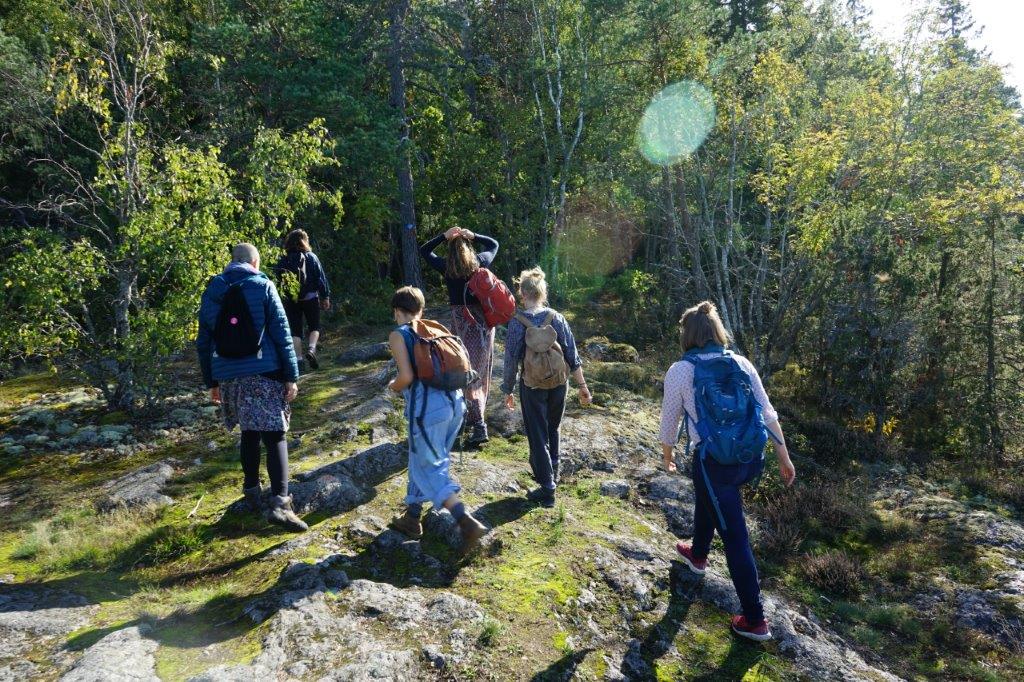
column 532, row 285
column 706, row 307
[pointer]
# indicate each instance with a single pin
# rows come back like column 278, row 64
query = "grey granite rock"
column 140, row 488
column 374, row 351
column 618, row 488
column 122, row 656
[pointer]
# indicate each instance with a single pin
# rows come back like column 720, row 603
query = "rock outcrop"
column 365, row 631
column 369, row 353
column 31, row 617
column 122, row 656
column 140, row 488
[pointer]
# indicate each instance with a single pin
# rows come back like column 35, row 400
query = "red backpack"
column 497, row 301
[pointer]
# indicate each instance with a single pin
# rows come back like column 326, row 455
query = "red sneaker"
column 698, row 566
column 758, row 633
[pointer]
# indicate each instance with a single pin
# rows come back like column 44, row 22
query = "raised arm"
column 489, row 249
column 427, row 251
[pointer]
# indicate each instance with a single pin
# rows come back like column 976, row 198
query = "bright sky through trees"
column 997, row 25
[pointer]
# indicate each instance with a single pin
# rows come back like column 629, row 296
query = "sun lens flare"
column 676, row 122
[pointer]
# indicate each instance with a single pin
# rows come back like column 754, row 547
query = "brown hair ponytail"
column 701, row 325
column 462, row 261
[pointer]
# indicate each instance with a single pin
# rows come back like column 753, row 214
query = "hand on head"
column 454, row 232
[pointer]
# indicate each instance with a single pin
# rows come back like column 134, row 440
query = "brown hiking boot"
column 282, row 514
column 472, row 530
column 408, row 525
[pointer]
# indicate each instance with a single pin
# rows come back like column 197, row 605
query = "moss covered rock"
column 600, row 349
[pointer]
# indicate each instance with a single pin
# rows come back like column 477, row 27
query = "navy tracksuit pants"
column 726, row 482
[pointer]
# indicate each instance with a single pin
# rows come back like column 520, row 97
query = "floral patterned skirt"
column 255, row 404
column 479, row 340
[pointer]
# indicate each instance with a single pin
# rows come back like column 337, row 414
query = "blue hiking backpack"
column 730, row 422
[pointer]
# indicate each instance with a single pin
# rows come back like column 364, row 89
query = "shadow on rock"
column 639, row 662
column 337, row 487
column 562, row 669
column 228, row 616
column 741, row 657
column 434, row 560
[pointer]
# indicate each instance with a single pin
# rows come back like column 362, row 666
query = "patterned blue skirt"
column 255, row 404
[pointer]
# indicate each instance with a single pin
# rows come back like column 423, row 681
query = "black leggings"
column 296, row 310
column 277, row 459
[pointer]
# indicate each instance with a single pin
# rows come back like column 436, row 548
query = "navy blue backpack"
column 729, row 419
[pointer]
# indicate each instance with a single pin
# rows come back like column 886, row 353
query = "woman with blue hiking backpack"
column 727, row 419
column 433, row 370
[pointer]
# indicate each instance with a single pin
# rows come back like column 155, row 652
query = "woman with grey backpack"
column 541, row 345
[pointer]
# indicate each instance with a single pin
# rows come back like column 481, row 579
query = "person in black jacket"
column 311, row 294
column 467, row 316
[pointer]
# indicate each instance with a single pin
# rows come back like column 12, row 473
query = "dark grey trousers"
column 542, row 416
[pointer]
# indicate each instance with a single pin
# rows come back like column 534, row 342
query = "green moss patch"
column 24, row 389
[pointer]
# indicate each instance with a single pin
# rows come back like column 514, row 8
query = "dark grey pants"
column 542, row 416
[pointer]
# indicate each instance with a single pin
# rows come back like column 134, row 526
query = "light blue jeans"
column 432, row 434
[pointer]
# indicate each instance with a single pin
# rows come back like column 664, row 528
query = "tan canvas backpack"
column 439, row 357
column 544, row 365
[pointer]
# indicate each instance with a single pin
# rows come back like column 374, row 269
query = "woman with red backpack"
column 468, row 316
column 727, row 419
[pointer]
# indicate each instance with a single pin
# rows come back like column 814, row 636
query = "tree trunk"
column 995, row 432
column 406, row 198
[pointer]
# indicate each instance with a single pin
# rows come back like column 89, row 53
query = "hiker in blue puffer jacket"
column 254, row 391
column 727, row 419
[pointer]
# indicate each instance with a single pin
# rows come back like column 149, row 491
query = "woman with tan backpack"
column 541, row 344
